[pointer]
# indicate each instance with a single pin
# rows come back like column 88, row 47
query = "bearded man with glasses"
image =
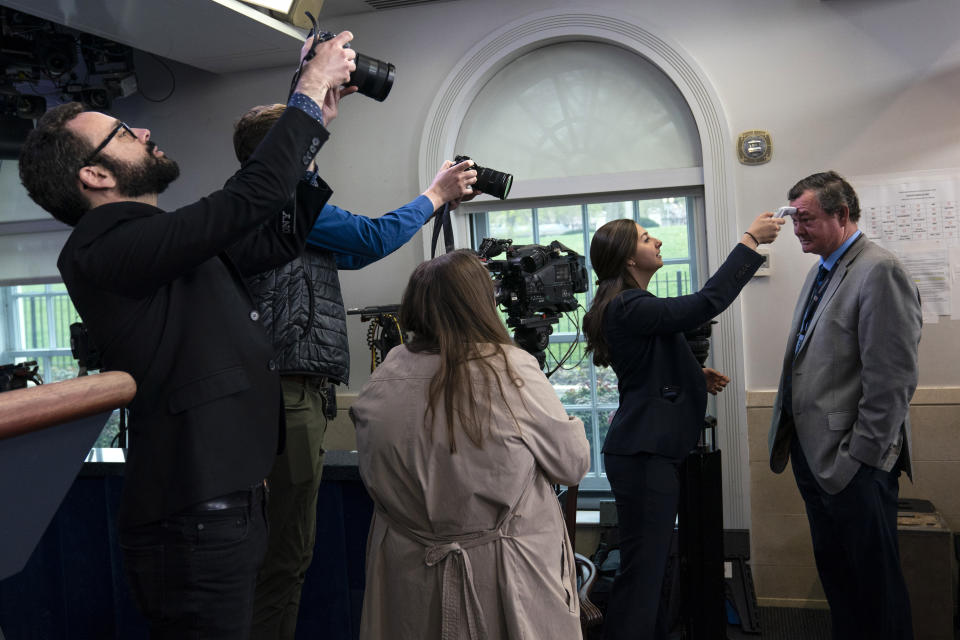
column 162, row 297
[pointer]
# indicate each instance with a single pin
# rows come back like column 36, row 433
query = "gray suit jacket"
column 855, row 372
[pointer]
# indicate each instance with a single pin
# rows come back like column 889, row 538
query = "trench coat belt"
column 457, row 578
column 458, row 586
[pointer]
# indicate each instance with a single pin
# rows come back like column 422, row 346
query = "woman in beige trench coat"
column 467, row 539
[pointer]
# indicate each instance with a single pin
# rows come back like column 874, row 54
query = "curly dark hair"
column 50, row 158
column 833, row 193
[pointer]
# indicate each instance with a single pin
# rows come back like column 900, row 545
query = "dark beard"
column 153, row 175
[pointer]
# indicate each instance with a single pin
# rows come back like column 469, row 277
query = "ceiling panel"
column 219, row 36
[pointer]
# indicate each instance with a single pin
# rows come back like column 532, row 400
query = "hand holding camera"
column 452, row 184
column 491, row 181
column 325, row 65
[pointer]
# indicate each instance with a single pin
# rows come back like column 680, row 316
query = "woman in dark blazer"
column 663, row 399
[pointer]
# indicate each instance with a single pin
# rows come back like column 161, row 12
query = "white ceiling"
column 219, row 36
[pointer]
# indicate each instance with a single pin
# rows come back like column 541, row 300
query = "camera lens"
column 536, row 259
column 494, row 182
column 373, row 78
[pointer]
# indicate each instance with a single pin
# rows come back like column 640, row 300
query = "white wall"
column 860, row 86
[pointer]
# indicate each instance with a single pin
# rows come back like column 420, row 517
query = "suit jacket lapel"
column 798, row 315
column 840, row 272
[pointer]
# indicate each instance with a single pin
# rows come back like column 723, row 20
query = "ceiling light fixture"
column 280, row 6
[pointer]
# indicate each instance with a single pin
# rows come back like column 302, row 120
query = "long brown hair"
column 449, row 307
column 612, row 245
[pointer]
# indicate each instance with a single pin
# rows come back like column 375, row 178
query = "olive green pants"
column 292, row 511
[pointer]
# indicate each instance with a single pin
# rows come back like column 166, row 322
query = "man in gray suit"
column 842, row 409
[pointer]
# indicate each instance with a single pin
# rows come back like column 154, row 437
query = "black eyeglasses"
column 106, row 141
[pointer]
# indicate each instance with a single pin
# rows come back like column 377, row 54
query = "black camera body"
column 16, row 376
column 496, row 183
column 534, row 284
column 699, row 341
column 373, row 78
column 534, row 279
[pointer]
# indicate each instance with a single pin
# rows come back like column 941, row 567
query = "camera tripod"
column 532, row 334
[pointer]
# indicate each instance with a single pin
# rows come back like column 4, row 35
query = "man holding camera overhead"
column 162, row 298
column 302, row 309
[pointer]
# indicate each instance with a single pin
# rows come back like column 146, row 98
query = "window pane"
column 60, row 368
column 607, row 393
column 574, row 109
column 30, row 288
column 571, row 322
column 671, row 280
column 515, row 225
column 561, row 223
column 586, row 415
column 666, row 220
column 35, row 326
column 572, row 382
column 602, row 213
column 586, row 391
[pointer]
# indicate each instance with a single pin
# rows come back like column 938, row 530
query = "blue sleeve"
column 358, row 240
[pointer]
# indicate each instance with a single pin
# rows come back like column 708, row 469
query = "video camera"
column 16, row 376
column 534, row 284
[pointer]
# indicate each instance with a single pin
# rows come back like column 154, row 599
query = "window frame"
column 11, row 347
column 14, row 350
column 477, row 223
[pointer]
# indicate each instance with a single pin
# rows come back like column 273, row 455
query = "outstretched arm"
column 358, row 240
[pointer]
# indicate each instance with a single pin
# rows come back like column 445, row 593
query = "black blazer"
column 163, row 299
column 663, row 392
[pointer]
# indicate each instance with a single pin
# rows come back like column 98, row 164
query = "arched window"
column 576, row 111
column 598, row 118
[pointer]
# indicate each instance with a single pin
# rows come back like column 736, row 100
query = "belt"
column 235, row 500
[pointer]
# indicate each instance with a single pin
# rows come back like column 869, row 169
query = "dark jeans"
column 193, row 574
column 647, row 491
column 855, row 546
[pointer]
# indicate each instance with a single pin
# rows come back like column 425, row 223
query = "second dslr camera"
column 491, row 181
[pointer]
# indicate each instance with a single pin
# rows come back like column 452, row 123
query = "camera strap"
column 441, row 220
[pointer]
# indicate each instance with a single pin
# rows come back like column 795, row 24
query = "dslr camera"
column 491, row 181
column 373, row 78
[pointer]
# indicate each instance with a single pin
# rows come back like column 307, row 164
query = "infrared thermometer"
column 786, row 211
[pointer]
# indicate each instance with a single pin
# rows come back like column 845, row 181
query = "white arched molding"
column 540, row 29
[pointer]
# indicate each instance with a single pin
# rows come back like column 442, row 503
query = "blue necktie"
column 816, row 294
